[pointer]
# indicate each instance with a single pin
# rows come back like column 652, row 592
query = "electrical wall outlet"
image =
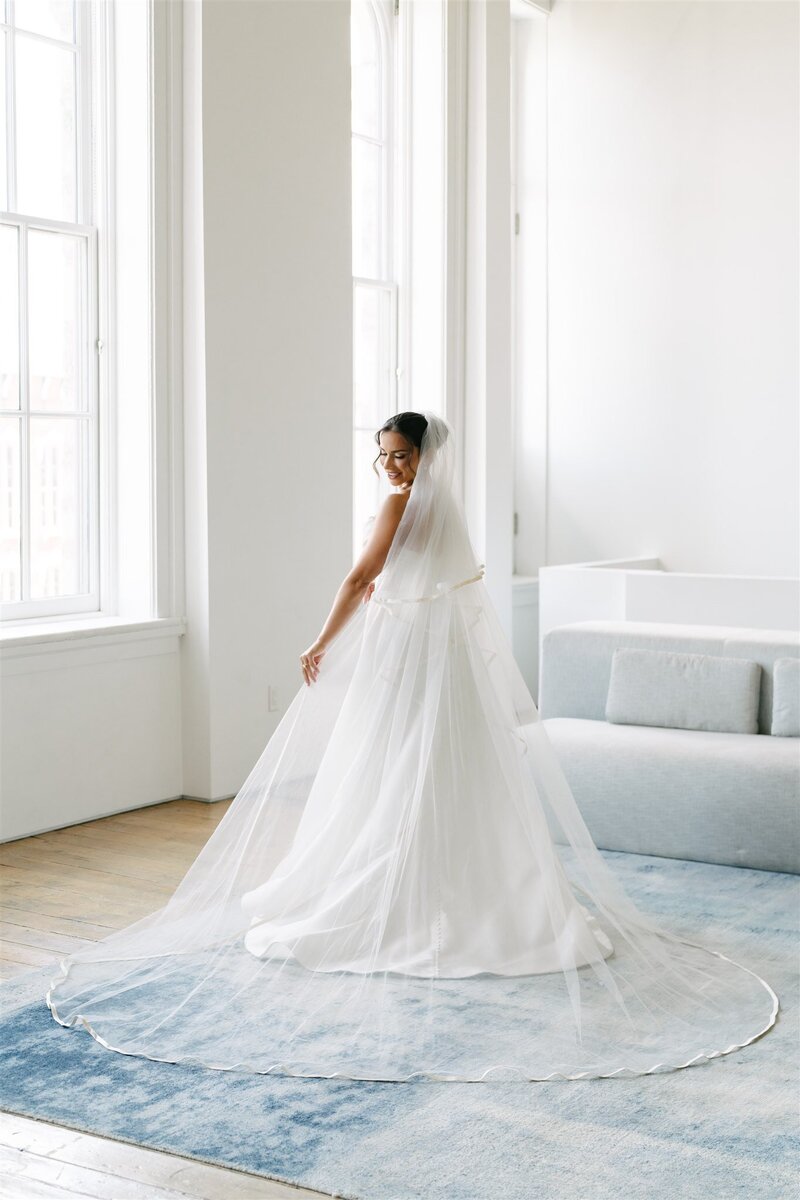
column 273, row 704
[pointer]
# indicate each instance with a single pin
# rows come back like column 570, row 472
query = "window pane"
column 53, row 18
column 46, row 155
column 371, row 355
column 9, row 317
column 365, row 490
column 3, row 163
column 367, row 207
column 10, row 491
column 364, row 61
column 58, row 506
column 56, row 273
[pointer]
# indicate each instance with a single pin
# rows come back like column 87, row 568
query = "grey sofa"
column 731, row 798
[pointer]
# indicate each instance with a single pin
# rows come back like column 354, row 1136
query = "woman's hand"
column 310, row 660
column 368, row 592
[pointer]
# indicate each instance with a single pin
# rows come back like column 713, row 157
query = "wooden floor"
column 59, row 891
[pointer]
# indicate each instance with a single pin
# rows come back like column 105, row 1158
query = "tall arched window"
column 373, row 57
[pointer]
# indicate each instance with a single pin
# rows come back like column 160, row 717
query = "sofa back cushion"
column 764, row 647
column 786, row 698
column 683, row 691
column 576, row 659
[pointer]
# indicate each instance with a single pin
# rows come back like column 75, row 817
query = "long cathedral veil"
column 403, row 887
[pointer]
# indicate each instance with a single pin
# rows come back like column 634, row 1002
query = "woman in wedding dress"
column 404, row 888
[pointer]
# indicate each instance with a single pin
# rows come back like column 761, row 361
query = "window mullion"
column 85, row 317
column 11, row 122
column 93, row 383
column 394, row 366
column 24, row 404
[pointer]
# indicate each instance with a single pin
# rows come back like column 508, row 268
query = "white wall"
column 195, row 682
column 673, row 284
column 278, row 335
column 89, row 727
column 529, row 157
column 639, row 590
column 487, row 313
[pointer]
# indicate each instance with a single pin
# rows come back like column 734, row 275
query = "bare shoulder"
column 397, row 500
column 389, row 516
column 393, row 507
column 373, row 556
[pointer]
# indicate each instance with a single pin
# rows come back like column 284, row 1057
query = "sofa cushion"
column 764, row 646
column 683, row 691
column 713, row 797
column 786, row 698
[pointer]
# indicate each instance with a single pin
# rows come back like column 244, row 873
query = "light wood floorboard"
column 59, row 891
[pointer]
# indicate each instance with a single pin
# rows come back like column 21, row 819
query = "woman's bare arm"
column 357, row 582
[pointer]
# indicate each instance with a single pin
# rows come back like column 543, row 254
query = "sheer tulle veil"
column 403, row 887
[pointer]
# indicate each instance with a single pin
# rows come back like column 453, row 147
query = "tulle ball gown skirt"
column 404, row 889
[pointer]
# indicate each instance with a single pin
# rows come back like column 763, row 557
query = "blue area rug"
column 716, row 1131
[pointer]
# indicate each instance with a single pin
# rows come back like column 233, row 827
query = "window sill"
column 40, row 637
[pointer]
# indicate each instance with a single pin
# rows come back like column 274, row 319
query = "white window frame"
column 148, row 591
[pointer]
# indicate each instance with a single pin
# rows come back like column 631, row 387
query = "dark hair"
column 410, row 425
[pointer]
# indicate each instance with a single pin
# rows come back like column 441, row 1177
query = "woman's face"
column 399, row 459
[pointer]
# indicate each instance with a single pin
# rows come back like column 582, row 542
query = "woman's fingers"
column 310, row 660
column 308, row 665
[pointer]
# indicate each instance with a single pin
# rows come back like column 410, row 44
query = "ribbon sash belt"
column 442, row 589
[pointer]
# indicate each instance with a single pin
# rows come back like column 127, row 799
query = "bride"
column 404, row 888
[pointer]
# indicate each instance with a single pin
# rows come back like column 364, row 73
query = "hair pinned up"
column 410, row 425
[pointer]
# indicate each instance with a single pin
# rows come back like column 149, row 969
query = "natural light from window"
column 373, row 26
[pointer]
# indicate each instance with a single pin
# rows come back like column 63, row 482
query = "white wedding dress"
column 404, row 887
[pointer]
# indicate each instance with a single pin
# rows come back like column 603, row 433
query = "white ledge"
column 86, row 630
